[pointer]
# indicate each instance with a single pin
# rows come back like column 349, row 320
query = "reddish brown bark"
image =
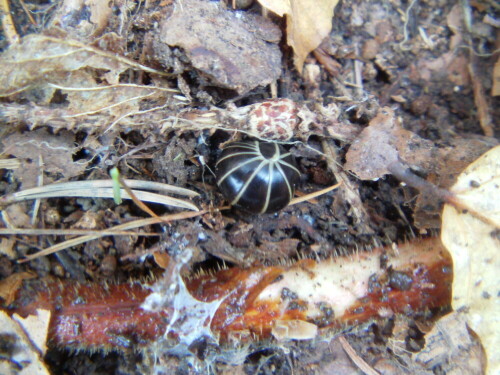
column 102, row 316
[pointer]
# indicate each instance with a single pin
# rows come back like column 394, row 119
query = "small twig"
column 405, row 175
column 358, row 361
column 482, row 106
column 349, row 190
column 28, row 13
column 110, row 87
column 358, row 76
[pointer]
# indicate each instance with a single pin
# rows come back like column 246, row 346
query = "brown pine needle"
column 358, row 361
column 136, row 200
column 70, row 232
column 314, row 194
column 127, row 226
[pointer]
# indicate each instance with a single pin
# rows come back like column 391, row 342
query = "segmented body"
column 259, row 177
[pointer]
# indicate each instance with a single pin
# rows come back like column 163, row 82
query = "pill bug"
column 259, row 177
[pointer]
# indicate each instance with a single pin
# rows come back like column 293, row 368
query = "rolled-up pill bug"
column 259, row 177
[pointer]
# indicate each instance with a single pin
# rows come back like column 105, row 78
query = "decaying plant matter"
column 304, row 300
column 389, row 108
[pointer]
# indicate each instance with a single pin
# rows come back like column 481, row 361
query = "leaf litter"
column 116, row 87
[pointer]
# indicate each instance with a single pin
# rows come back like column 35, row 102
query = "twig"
column 36, row 206
column 483, row 111
column 405, row 175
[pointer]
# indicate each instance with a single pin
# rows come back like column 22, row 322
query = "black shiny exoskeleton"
column 259, row 177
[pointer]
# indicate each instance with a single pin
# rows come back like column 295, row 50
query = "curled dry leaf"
column 475, row 248
column 307, row 24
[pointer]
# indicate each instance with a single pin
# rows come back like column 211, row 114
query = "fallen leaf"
column 43, row 151
column 475, row 247
column 11, row 284
column 307, row 23
column 35, row 59
column 227, row 47
column 384, row 142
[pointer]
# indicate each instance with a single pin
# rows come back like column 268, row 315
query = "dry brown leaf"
column 15, row 216
column 385, row 142
column 36, row 59
column 307, row 23
column 231, row 49
column 10, row 285
column 475, row 248
column 7, row 247
column 42, row 151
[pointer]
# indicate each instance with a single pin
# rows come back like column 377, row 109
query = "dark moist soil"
column 435, row 109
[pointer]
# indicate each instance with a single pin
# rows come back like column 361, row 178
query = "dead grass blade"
column 103, row 189
column 70, row 232
column 127, row 226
